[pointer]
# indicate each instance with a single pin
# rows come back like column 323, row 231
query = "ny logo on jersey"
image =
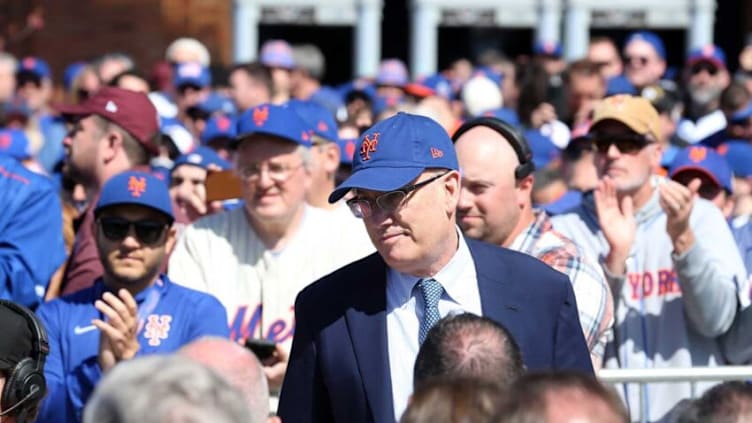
column 136, row 185
column 369, row 145
column 157, row 328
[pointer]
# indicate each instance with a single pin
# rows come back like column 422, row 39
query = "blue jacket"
column 31, row 233
column 172, row 316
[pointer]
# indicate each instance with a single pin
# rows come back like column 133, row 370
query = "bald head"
column 493, row 206
column 238, row 366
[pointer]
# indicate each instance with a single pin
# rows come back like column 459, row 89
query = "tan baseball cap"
column 635, row 112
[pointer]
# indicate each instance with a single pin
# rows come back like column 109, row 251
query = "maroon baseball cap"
column 131, row 110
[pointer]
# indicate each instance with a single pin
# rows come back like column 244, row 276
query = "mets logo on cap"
column 370, row 142
column 260, row 115
column 136, row 185
column 698, row 154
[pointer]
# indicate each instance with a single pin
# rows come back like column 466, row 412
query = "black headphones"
column 26, row 385
column 512, row 135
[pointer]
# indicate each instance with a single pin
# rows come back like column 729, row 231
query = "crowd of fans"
column 180, row 210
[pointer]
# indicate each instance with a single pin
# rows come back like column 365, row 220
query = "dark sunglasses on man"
column 148, row 232
column 625, row 143
column 710, row 68
column 636, row 60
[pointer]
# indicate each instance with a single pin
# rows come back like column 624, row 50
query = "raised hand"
column 617, row 222
column 677, row 201
column 118, row 338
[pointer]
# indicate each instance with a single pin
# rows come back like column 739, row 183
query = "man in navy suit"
column 359, row 329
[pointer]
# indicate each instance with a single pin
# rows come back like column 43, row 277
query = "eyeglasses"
column 636, row 60
column 625, row 143
column 387, row 202
column 278, row 172
column 707, row 67
column 147, row 231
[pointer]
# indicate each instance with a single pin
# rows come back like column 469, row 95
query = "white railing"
column 686, row 374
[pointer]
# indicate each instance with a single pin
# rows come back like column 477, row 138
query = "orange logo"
column 323, row 127
column 136, row 186
column 260, row 115
column 223, row 123
column 436, row 153
column 697, row 154
column 157, row 329
column 369, row 145
column 722, row 149
column 5, row 141
column 350, row 150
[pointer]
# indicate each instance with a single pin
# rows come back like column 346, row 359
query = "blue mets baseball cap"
column 346, row 150
column 138, row 188
column 219, row 126
column 395, row 151
column 704, row 160
column 278, row 121
column 277, row 54
column 738, row 154
column 34, row 66
column 202, row 157
column 14, row 143
column 547, row 48
column 709, row 53
column 317, row 117
column 392, row 72
column 649, row 37
column 191, row 73
column 432, row 85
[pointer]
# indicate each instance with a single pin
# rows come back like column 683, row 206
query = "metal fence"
column 688, row 374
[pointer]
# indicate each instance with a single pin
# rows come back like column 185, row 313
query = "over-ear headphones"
column 511, row 134
column 26, row 386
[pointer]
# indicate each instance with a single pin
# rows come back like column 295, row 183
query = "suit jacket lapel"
column 366, row 322
column 497, row 296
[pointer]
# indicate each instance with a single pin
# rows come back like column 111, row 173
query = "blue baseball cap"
column 216, row 103
column 741, row 116
column 219, row 126
column 547, row 48
column 191, row 73
column 71, row 72
column 395, row 151
column 433, row 85
column 202, row 157
column 619, row 85
column 505, row 114
column 14, row 143
column 543, row 149
column 649, row 37
column 317, row 117
column 138, row 188
column 277, row 54
column 392, row 72
column 709, row 53
column 346, row 150
column 489, row 73
column 271, row 119
column 34, row 66
column 738, row 154
column 704, row 160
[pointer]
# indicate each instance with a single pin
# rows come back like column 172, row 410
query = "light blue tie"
column 431, row 290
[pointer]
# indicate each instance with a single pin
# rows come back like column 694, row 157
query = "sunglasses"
column 147, row 231
column 707, row 67
column 639, row 60
column 625, row 143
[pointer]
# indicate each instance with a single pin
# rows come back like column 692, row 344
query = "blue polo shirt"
column 170, row 315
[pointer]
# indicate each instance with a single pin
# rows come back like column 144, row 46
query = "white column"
column 700, row 31
column 367, row 44
column 548, row 28
column 424, row 38
column 576, row 31
column 245, row 30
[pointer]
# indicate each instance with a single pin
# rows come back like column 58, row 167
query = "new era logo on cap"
column 111, row 107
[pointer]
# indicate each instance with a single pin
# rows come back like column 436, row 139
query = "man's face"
column 34, row 93
column 188, row 185
column 82, row 145
column 7, row 83
column 413, row 237
column 629, row 168
column 642, row 64
column 132, row 258
column 607, row 56
column 584, row 91
column 282, row 80
column 190, row 95
column 275, row 178
column 706, row 81
column 243, row 90
column 490, row 202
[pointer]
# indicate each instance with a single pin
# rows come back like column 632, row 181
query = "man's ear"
column 332, row 156
column 171, row 239
column 113, row 141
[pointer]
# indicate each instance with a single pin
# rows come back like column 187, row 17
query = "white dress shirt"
column 404, row 312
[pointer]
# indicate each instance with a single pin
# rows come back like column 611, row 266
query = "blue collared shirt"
column 404, row 308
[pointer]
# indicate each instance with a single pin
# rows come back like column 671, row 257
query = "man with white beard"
column 706, row 77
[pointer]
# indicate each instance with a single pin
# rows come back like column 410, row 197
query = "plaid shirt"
column 594, row 300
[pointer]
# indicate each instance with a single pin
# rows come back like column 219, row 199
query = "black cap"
column 17, row 340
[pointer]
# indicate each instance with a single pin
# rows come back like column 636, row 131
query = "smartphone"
column 223, row 185
column 263, row 348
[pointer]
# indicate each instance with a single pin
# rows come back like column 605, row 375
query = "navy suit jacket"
column 339, row 363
